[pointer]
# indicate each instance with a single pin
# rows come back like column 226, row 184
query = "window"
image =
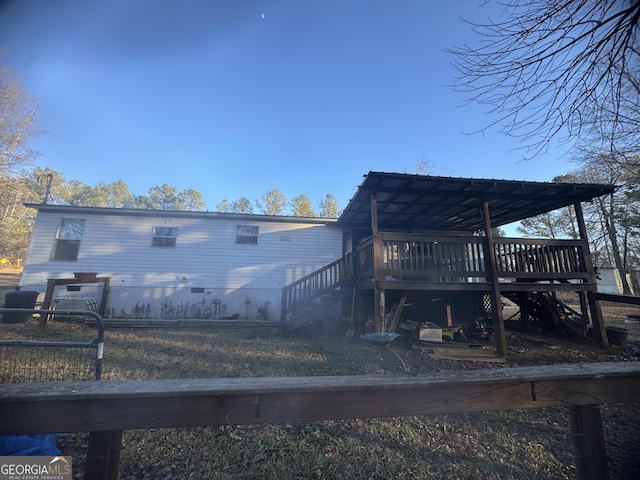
column 164, row 236
column 247, row 234
column 66, row 243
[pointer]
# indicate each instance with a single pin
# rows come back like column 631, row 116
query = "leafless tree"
column 18, row 124
column 557, row 69
column 616, row 226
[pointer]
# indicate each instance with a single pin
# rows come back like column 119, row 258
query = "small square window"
column 164, row 236
column 247, row 234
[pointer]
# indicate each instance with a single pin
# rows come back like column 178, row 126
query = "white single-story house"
column 177, row 264
column 414, row 245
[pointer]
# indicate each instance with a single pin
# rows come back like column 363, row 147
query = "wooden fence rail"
column 112, row 406
column 617, row 298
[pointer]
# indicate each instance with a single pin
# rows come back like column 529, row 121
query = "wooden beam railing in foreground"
column 113, row 406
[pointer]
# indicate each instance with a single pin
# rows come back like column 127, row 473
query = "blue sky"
column 235, row 98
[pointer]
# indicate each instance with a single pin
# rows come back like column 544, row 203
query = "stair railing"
column 316, row 284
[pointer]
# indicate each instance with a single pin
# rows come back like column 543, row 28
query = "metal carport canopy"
column 407, row 201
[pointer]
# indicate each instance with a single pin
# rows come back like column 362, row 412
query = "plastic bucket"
column 617, row 335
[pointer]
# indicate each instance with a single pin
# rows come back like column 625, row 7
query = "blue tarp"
column 28, row 445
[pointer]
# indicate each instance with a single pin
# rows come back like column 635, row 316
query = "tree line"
column 45, row 185
column 612, row 221
column 275, row 202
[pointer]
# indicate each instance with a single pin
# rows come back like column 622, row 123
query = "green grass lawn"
column 492, row 445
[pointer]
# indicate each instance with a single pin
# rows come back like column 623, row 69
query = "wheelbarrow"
column 382, row 341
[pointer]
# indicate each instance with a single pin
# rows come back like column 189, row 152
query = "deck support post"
column 490, row 267
column 594, row 305
column 378, row 268
column 588, row 442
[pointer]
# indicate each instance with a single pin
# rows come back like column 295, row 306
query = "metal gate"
column 24, row 361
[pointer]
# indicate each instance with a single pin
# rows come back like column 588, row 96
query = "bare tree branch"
column 554, row 69
column 18, row 125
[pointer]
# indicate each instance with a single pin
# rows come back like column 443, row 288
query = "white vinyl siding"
column 206, row 255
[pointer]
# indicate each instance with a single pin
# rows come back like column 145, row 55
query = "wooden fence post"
column 103, row 455
column 588, row 442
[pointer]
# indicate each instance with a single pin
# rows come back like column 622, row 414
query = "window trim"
column 245, row 234
column 164, row 241
column 70, row 243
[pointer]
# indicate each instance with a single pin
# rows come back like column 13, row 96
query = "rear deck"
column 427, row 239
column 455, row 262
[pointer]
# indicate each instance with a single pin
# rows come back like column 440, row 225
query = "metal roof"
column 408, row 201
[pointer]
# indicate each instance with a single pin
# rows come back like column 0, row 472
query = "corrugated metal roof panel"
column 407, row 201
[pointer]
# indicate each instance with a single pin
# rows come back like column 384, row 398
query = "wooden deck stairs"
column 309, row 299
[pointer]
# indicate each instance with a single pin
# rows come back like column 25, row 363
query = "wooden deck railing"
column 448, row 258
column 113, row 406
column 540, row 259
column 316, row 284
column 364, row 256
